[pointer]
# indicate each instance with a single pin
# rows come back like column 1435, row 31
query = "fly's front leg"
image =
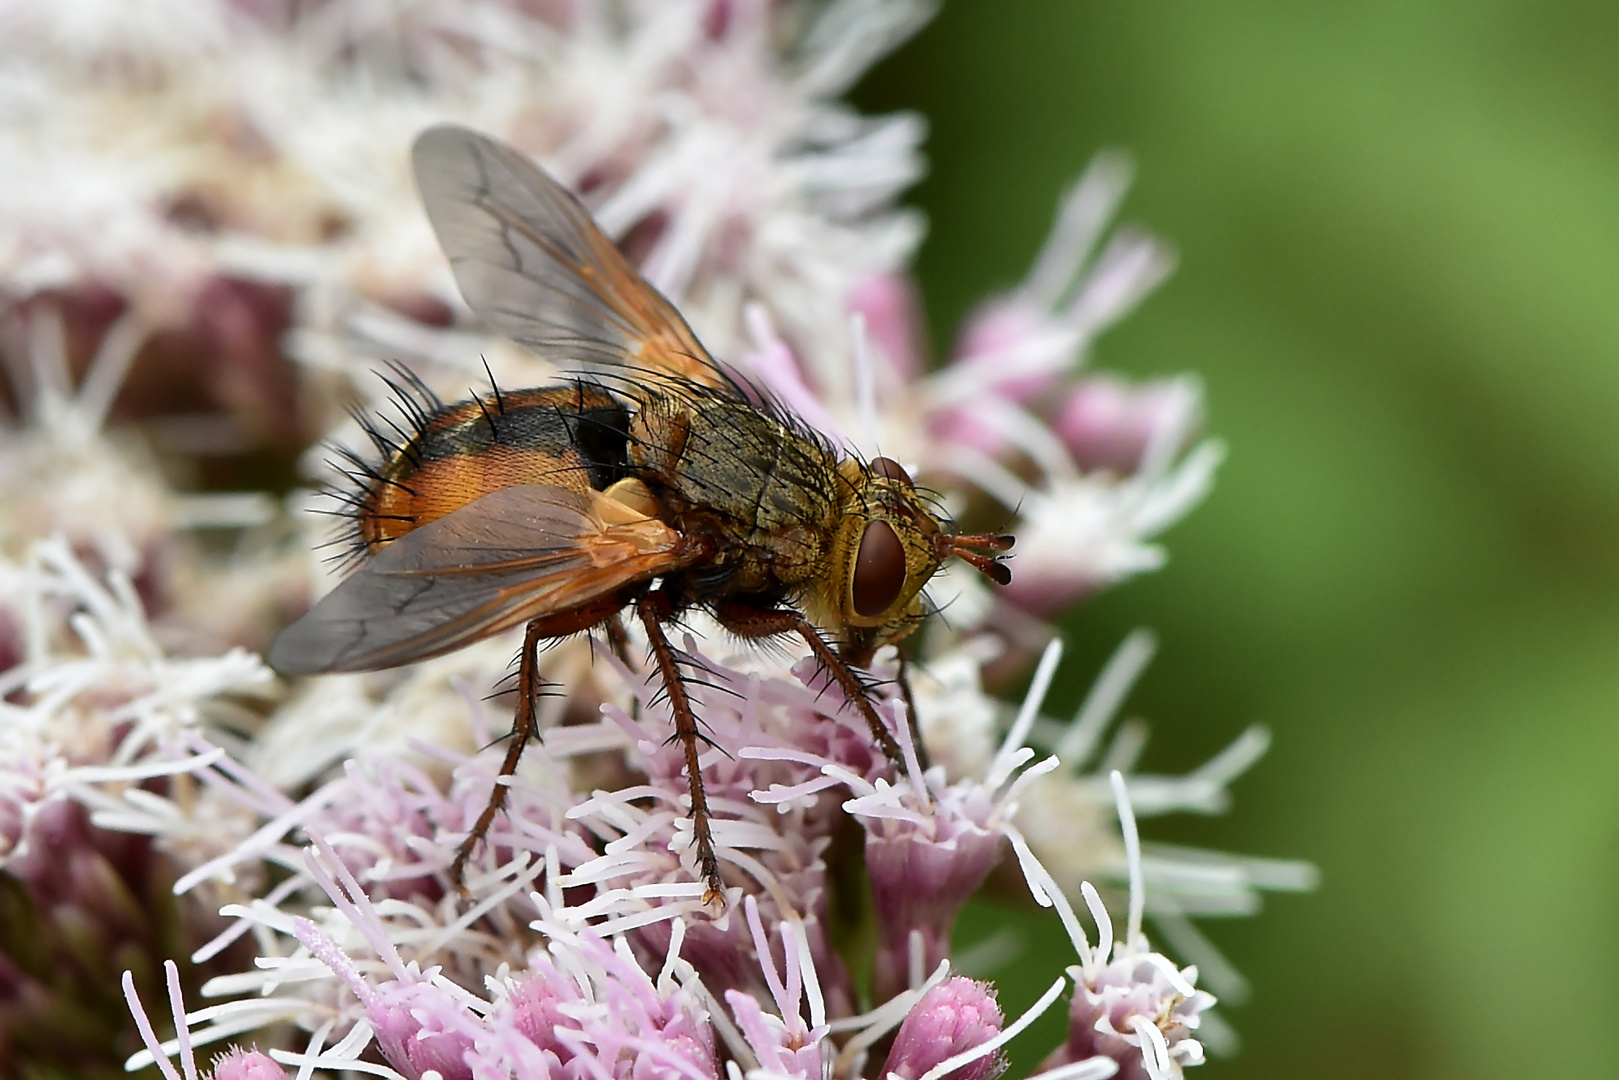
column 904, row 679
column 655, row 609
column 753, row 622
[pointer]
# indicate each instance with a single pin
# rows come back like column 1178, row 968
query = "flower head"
column 1130, row 1004
column 215, row 222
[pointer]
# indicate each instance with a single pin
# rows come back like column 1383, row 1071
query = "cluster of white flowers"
column 209, row 226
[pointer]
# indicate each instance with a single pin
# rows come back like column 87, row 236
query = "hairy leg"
column 655, row 610
column 524, row 725
column 523, row 729
column 910, row 711
column 753, row 622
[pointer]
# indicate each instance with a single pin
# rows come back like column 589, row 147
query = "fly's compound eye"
column 879, row 569
column 893, row 470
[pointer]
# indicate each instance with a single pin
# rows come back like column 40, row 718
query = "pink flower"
column 1130, row 1004
column 419, row 1025
column 1016, row 349
column 217, row 189
column 923, row 868
column 421, row 1029
column 1108, row 424
column 928, row 845
column 955, row 1016
column 1134, row 1012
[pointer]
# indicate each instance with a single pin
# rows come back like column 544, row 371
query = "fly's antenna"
column 981, row 551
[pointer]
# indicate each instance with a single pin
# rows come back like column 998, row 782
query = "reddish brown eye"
column 893, row 470
column 879, row 569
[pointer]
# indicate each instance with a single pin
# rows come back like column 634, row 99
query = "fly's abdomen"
column 571, row 436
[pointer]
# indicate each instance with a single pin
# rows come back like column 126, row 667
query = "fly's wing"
column 514, row 555
column 532, row 263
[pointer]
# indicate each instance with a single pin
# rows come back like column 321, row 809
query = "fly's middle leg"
column 655, row 609
column 618, row 639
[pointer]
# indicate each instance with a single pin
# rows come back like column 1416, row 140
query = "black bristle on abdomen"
column 580, row 422
column 395, row 438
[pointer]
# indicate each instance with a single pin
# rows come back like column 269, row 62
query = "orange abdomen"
column 572, row 436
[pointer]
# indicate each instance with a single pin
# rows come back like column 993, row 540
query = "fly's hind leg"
column 524, row 728
column 655, row 609
column 754, row 622
column 524, row 723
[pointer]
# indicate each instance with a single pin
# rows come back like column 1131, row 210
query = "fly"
column 657, row 485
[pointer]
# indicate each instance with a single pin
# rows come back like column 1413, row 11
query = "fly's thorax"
column 728, row 467
column 571, row 436
column 884, row 550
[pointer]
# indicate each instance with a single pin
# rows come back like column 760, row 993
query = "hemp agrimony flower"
column 208, row 241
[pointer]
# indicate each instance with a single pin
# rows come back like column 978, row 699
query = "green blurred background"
column 1399, row 236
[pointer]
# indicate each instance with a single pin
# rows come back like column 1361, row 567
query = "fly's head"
column 889, row 544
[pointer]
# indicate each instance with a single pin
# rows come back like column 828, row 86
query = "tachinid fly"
column 656, row 484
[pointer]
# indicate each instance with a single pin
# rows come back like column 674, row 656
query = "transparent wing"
column 533, row 264
column 514, row 555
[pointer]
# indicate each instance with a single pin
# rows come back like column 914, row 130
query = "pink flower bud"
column 955, row 1016
column 535, row 1012
column 239, row 1064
